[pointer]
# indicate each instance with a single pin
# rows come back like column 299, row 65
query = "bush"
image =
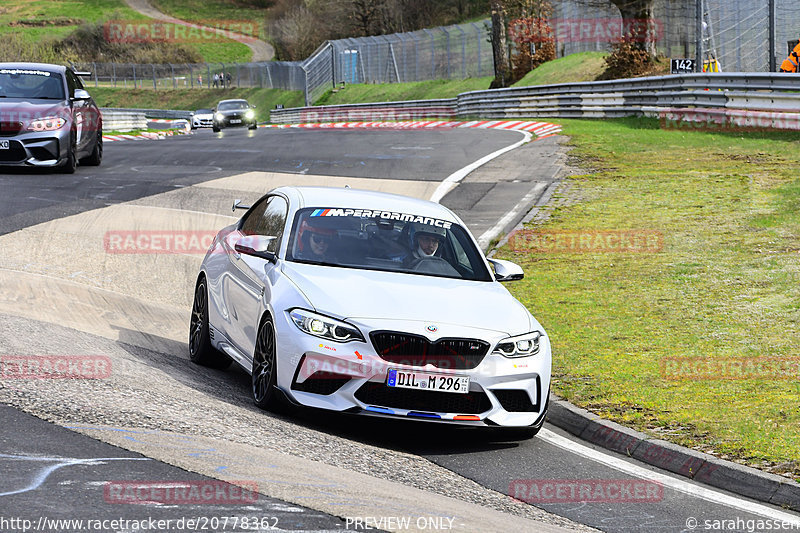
column 626, row 60
column 90, row 43
column 14, row 47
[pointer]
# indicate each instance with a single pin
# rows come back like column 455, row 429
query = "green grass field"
column 585, row 66
column 725, row 288
column 38, row 20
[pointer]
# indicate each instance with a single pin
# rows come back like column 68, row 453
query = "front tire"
column 201, row 351
column 265, row 368
column 71, row 164
column 96, row 157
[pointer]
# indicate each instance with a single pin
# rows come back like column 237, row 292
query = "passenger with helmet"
column 425, row 241
column 314, row 240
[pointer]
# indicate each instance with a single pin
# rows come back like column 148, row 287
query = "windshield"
column 227, row 106
column 387, row 241
column 32, row 84
column 203, row 112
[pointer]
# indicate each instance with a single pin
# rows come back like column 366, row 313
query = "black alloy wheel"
column 265, row 369
column 201, row 351
column 71, row 164
column 96, row 157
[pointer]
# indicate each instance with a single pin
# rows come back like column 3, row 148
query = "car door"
column 250, row 277
column 81, row 114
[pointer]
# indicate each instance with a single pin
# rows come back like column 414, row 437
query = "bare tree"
column 502, row 75
column 638, row 21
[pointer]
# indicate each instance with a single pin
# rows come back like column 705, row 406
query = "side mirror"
column 237, row 204
column 506, row 270
column 258, row 246
column 81, row 94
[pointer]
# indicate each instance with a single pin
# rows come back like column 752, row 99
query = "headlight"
column 521, row 346
column 46, row 124
column 220, row 117
column 325, row 327
column 249, row 113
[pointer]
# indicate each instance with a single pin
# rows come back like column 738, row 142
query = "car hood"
column 227, row 112
column 359, row 294
column 19, row 110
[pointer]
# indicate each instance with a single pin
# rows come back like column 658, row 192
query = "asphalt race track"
column 64, row 290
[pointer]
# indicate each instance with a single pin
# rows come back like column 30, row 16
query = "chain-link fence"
column 735, row 32
column 460, row 51
column 273, row 75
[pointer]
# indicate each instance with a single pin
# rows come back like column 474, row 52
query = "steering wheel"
column 434, row 265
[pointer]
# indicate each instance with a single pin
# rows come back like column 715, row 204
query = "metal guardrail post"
column 772, row 58
column 478, row 42
column 155, row 84
column 463, row 52
column 699, row 36
column 433, row 53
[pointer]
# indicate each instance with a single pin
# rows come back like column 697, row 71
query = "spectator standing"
column 791, row 63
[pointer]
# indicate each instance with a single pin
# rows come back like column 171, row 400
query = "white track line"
column 452, row 180
column 506, row 219
column 690, row 488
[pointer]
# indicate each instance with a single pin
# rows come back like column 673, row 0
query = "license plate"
column 236, row 121
column 5, row 145
column 424, row 381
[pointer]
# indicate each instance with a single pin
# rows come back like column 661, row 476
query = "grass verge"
column 724, row 289
column 37, row 21
column 584, row 66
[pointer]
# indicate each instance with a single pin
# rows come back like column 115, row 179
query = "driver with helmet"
column 314, row 241
column 425, row 240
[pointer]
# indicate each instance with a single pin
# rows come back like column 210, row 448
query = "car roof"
column 232, row 100
column 34, row 66
column 343, row 197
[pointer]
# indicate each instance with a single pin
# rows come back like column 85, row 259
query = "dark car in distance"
column 47, row 118
column 234, row 113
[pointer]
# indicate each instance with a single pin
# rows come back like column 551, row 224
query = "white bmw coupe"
column 369, row 303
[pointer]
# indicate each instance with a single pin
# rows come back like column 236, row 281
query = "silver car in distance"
column 370, row 303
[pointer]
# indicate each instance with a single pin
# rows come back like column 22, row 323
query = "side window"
column 71, row 83
column 268, row 218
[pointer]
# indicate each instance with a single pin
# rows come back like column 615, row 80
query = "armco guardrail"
column 408, row 110
column 770, row 100
column 152, row 113
column 123, row 120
